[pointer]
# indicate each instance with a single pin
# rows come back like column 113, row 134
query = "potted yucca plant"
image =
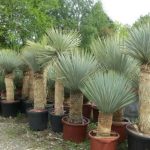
column 9, row 61
column 110, row 92
column 38, row 116
column 73, row 67
column 59, row 42
column 138, row 47
column 109, row 54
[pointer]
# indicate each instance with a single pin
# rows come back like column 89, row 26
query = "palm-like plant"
column 110, row 92
column 58, row 42
column 29, row 55
column 73, row 68
column 138, row 45
column 9, row 61
column 109, row 53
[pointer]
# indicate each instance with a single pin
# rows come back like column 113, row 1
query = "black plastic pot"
column 25, row 105
column 38, row 119
column 137, row 141
column 10, row 108
column 56, row 123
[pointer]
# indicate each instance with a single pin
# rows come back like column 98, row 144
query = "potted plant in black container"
column 110, row 92
column 38, row 116
column 59, row 42
column 73, row 68
column 138, row 45
column 9, row 61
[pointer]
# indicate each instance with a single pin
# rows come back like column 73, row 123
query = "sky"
column 126, row 11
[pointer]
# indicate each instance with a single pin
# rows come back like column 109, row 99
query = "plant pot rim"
column 130, row 128
column 125, row 121
column 53, row 113
column 86, row 121
column 6, row 102
column 113, row 137
column 37, row 110
column 95, row 107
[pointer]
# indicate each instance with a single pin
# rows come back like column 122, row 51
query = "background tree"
column 24, row 19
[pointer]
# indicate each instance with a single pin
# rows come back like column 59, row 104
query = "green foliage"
column 109, row 91
column 138, row 43
column 109, row 54
column 24, row 19
column 29, row 55
column 75, row 67
column 142, row 20
column 95, row 24
column 58, row 41
column 9, row 61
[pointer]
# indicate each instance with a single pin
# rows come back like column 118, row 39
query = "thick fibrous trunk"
column 117, row 116
column 76, row 103
column 39, row 93
column 104, row 124
column 9, row 87
column 31, row 88
column 25, row 87
column 144, row 99
column 59, row 97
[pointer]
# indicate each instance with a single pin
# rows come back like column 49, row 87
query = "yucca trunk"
column 31, row 88
column 50, row 94
column 76, row 103
column 117, row 116
column 104, row 124
column 59, row 97
column 45, row 73
column 9, row 87
column 39, row 93
column 25, row 87
column 144, row 99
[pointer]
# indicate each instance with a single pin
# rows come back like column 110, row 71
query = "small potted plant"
column 109, row 54
column 73, row 68
column 38, row 116
column 110, row 92
column 9, row 61
column 138, row 47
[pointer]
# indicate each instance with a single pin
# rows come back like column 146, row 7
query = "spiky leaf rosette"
column 109, row 53
column 109, row 91
column 29, row 55
column 58, row 42
column 138, row 43
column 9, row 61
column 74, row 67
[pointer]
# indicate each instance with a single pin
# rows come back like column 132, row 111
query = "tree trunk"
column 76, row 103
column 39, row 93
column 31, row 88
column 25, row 87
column 117, row 116
column 59, row 97
column 9, row 87
column 104, row 124
column 144, row 99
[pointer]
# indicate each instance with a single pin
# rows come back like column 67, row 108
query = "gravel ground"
column 16, row 135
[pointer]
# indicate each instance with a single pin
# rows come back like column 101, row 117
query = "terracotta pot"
column 120, row 127
column 86, row 110
column 95, row 113
column 136, row 140
column 74, row 132
column 100, row 143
